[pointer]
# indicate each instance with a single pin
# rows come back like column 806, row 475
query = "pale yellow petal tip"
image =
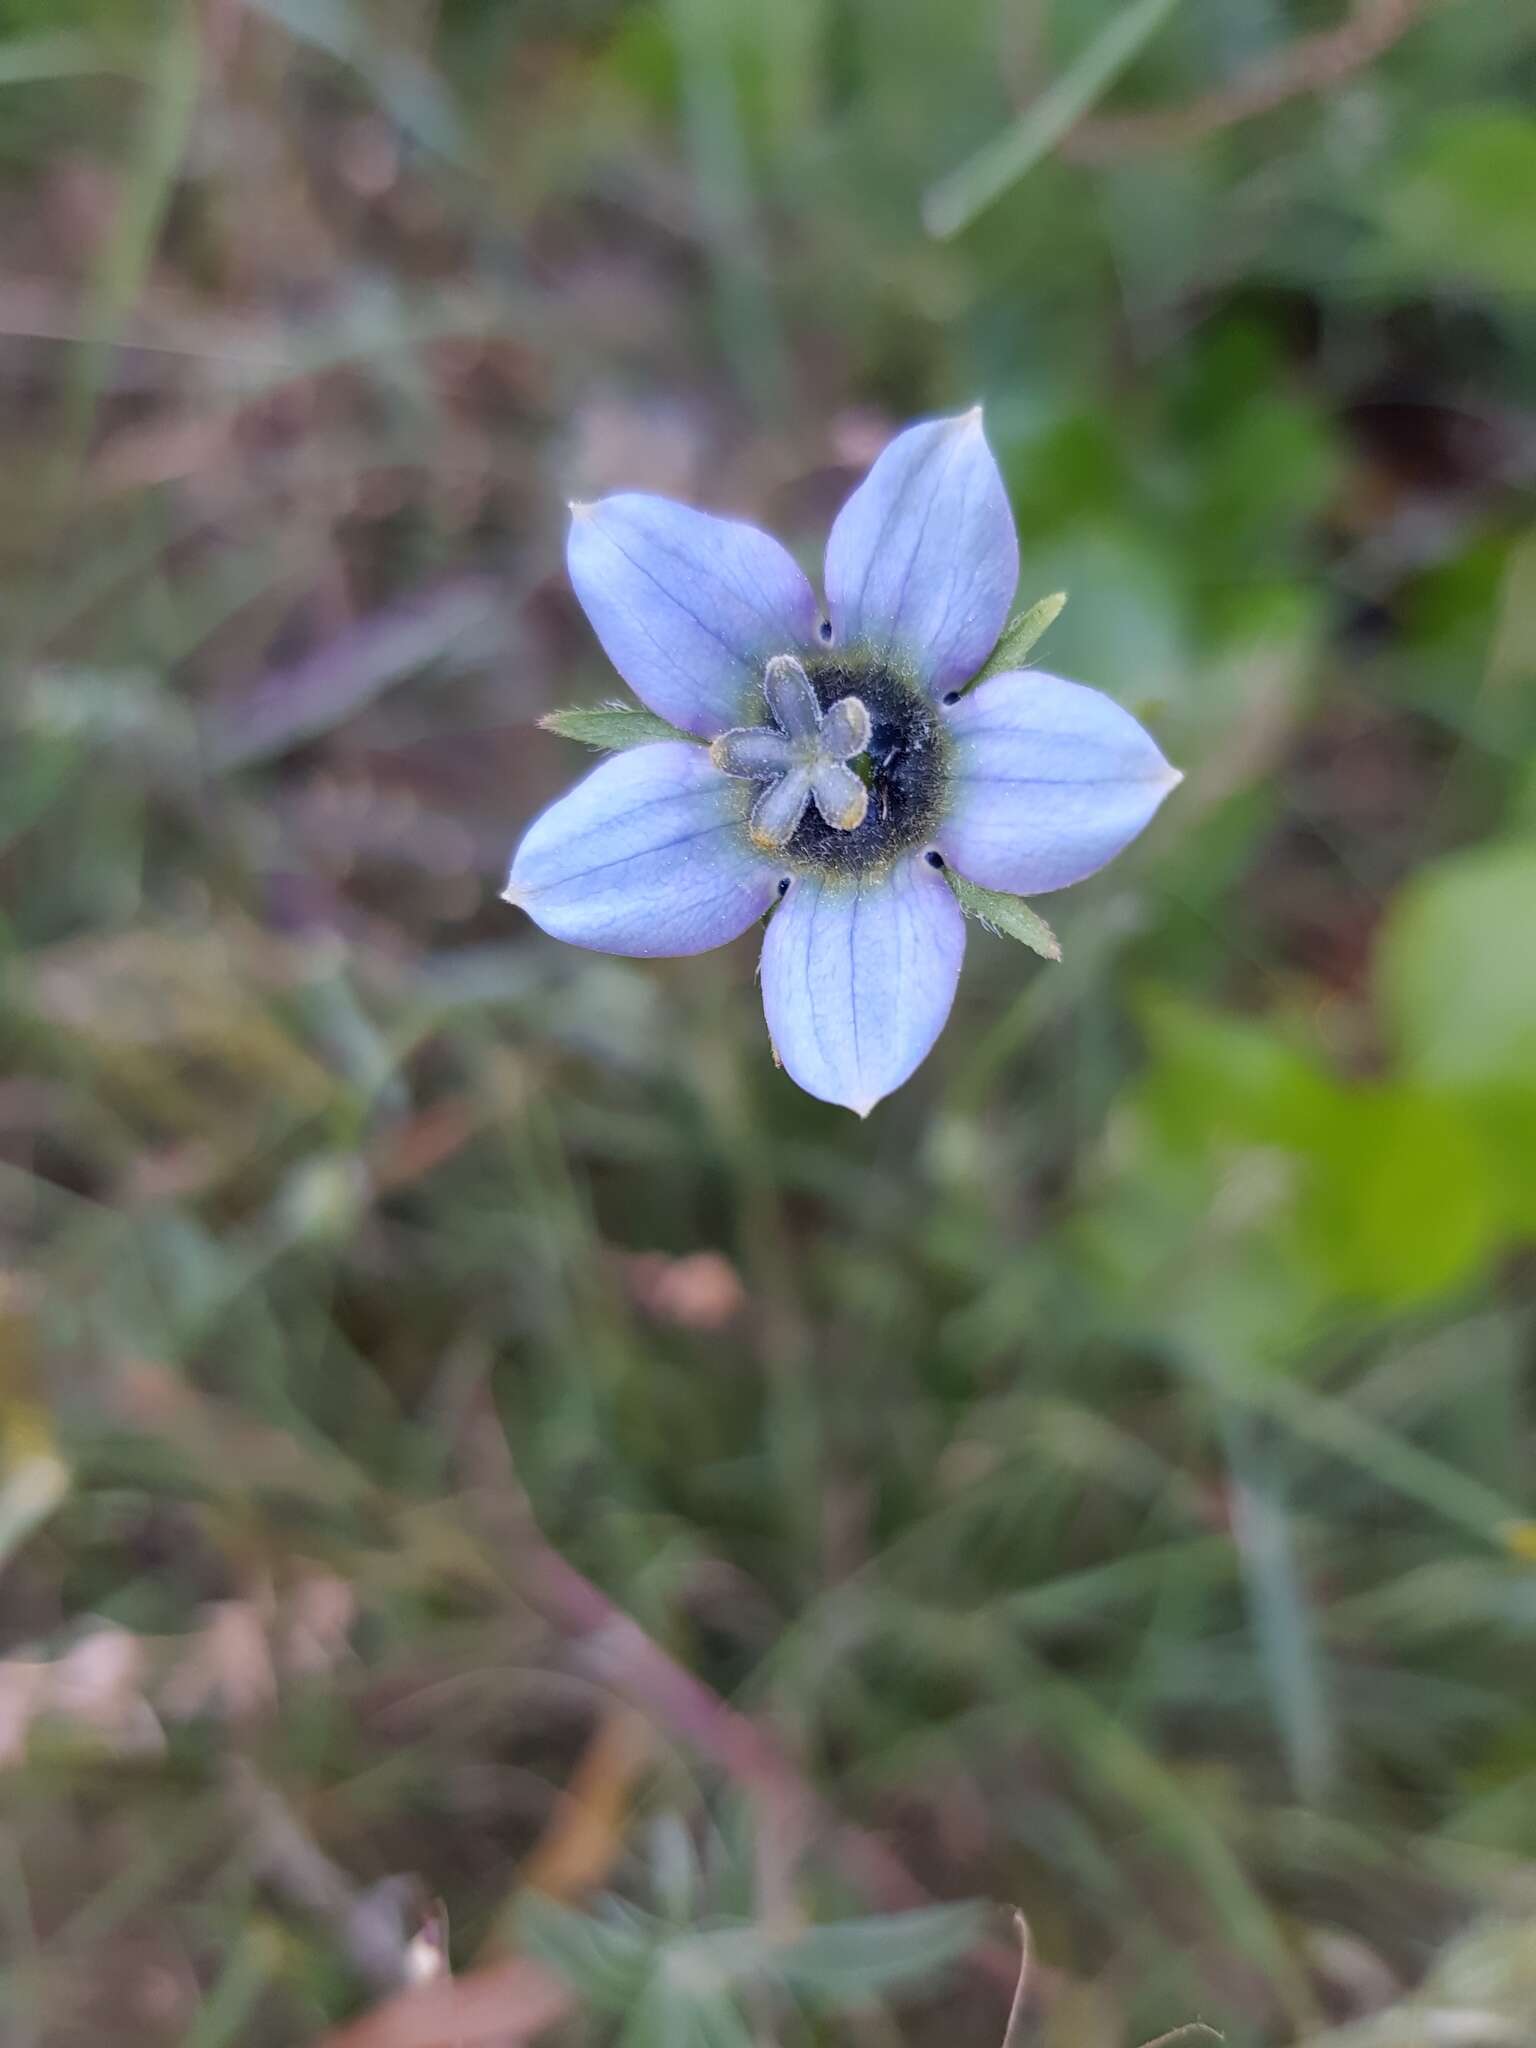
column 513, row 896
column 862, row 1108
column 580, row 508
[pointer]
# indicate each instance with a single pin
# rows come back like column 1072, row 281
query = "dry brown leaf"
column 316, row 1624
column 138, row 456
column 97, row 1687
column 579, row 1847
column 21, row 1688
column 221, row 1441
column 412, row 1149
column 495, row 2007
column 228, row 1665
column 701, row 1291
column 205, row 994
column 115, row 1686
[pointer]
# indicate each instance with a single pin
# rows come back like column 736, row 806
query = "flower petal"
column 780, row 808
column 1048, row 782
column 649, row 855
column 923, row 562
column 688, row 607
column 858, row 978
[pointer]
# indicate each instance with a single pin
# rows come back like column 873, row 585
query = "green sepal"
column 613, row 727
column 1021, row 633
column 1010, row 916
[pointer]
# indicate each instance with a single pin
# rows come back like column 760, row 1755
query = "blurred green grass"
column 1106, row 1473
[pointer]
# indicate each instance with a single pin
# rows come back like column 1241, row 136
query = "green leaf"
column 1504, row 1120
column 1456, row 970
column 1010, row 916
column 674, row 2011
column 604, row 1960
column 1460, row 209
column 1393, row 1197
column 25, row 59
column 613, row 727
column 853, row 1961
column 1456, row 983
column 1223, row 1079
column 1021, row 633
column 1399, row 1206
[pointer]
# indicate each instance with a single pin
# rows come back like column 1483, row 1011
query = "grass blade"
column 171, row 89
column 27, row 60
column 412, row 95
column 954, row 201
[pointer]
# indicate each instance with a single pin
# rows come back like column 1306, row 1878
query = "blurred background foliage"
column 1095, row 1483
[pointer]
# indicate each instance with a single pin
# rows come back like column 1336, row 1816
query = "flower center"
column 851, row 769
column 801, row 759
column 902, row 767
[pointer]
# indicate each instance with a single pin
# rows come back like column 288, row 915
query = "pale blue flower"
column 845, row 768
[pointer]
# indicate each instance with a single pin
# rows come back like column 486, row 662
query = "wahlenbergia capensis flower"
column 846, row 765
